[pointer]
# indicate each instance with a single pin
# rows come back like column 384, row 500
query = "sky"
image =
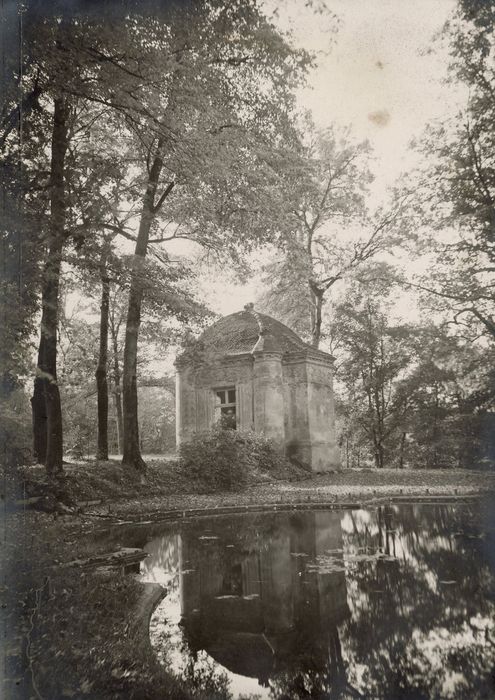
column 376, row 74
column 381, row 76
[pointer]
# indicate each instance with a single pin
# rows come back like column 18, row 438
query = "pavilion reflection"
column 255, row 595
column 256, row 607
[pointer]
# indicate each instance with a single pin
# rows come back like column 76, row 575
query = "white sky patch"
column 381, row 76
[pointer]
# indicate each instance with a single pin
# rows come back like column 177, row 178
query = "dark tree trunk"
column 131, row 450
column 402, row 450
column 101, row 370
column 117, row 391
column 376, row 452
column 46, row 386
column 120, row 421
column 132, row 453
column 39, row 411
column 316, row 315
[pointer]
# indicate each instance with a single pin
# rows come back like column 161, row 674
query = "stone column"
column 298, row 442
column 185, row 404
column 325, row 454
column 268, row 394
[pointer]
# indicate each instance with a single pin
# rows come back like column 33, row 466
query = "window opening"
column 226, row 407
column 232, row 581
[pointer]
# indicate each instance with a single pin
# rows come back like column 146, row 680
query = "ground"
column 77, row 631
column 350, row 486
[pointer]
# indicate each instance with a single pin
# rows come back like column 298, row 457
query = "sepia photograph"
column 247, row 350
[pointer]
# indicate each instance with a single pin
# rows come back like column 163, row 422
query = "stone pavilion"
column 252, row 372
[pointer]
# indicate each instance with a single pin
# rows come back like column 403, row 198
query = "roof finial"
column 249, row 307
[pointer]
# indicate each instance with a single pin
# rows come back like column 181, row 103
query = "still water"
column 390, row 602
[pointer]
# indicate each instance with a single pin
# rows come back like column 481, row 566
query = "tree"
column 104, row 208
column 72, row 66
column 46, row 398
column 19, row 236
column 18, row 305
column 217, row 132
column 455, row 190
column 116, row 318
column 448, row 395
column 376, row 356
column 205, row 118
column 409, row 394
column 332, row 234
column 52, row 122
column 77, row 357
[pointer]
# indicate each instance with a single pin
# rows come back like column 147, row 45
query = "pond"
column 387, row 602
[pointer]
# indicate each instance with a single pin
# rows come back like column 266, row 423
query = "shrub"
column 15, row 434
column 225, row 459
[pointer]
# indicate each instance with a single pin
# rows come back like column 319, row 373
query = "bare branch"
column 486, row 321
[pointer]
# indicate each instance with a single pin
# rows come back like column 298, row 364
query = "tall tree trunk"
column 38, row 408
column 46, row 386
column 118, row 421
column 402, row 450
column 316, row 314
column 376, row 451
column 117, row 390
column 132, row 453
column 101, row 370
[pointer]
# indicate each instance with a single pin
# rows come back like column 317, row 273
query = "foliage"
column 332, row 234
column 15, row 435
column 157, row 419
column 325, row 189
column 412, row 395
column 375, row 357
column 78, row 348
column 18, row 293
column 454, row 190
column 220, row 459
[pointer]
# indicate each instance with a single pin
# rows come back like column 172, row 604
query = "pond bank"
column 107, row 488
column 347, row 488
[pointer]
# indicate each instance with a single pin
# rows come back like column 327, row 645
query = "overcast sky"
column 381, row 77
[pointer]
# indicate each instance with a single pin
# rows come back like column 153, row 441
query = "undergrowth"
column 227, row 460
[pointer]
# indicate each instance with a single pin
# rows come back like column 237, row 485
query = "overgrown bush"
column 224, row 460
column 15, row 435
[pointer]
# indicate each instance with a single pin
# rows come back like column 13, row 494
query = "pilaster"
column 268, row 392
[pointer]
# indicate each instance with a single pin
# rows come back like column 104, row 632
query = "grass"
column 92, row 480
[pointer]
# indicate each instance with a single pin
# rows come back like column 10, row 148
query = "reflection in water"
column 393, row 602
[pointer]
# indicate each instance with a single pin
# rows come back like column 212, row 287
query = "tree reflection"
column 412, row 619
column 394, row 602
